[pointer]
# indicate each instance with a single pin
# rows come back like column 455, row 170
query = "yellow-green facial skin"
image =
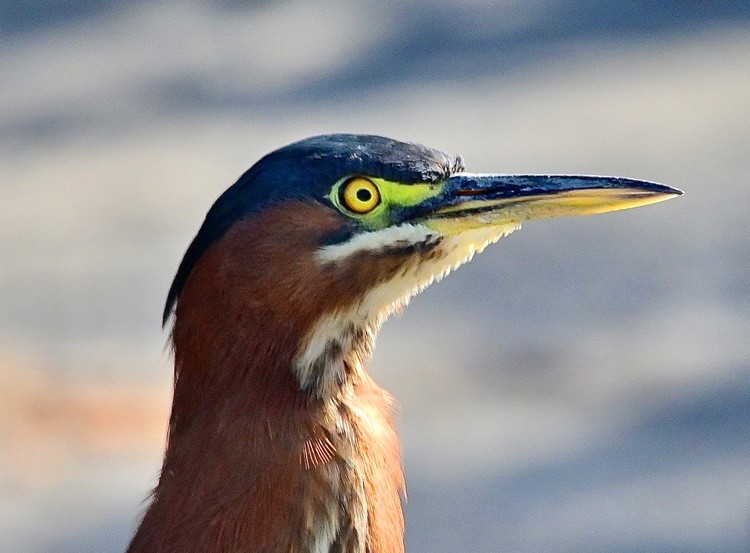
column 453, row 210
column 392, row 195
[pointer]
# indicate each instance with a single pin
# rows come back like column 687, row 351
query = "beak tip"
column 670, row 191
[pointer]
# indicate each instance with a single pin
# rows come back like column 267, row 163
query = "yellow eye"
column 360, row 195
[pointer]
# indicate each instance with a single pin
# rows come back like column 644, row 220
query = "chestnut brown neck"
column 254, row 462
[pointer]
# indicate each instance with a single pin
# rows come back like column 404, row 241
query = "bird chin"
column 449, row 248
column 443, row 245
column 459, row 240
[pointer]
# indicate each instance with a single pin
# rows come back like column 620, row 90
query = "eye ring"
column 360, row 195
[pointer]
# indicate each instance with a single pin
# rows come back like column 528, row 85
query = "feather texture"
column 253, row 461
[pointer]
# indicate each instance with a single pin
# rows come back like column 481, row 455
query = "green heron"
column 279, row 440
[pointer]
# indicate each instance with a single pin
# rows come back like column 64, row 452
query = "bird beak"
column 469, row 201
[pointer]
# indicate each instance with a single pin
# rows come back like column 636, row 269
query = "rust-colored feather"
column 254, row 463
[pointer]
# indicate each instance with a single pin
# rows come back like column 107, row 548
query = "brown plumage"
column 253, row 463
column 279, row 441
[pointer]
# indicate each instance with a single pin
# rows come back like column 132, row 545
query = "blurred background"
column 582, row 386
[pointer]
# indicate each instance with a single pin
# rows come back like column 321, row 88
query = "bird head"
column 278, row 438
column 309, row 251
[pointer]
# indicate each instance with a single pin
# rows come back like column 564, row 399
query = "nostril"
column 470, row 192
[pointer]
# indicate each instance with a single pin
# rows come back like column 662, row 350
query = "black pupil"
column 364, row 195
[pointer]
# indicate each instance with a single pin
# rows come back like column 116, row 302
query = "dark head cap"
column 307, row 170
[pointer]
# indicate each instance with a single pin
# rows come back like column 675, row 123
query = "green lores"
column 373, row 200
